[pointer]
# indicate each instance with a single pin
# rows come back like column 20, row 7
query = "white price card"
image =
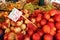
column 15, row 14
column 3, row 1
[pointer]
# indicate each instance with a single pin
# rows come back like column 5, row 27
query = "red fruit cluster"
column 47, row 22
column 47, row 26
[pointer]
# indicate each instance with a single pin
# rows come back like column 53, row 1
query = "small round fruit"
column 26, row 21
column 48, row 37
column 7, row 30
column 23, row 26
column 19, row 23
column 46, row 29
column 58, row 25
column 57, row 17
column 17, row 30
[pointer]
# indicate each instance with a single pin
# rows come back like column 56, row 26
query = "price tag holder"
column 15, row 14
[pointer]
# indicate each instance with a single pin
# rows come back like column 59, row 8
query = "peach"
column 51, row 24
column 43, row 21
column 58, row 25
column 46, row 29
column 36, row 36
column 53, row 12
column 48, row 37
column 57, row 17
column 47, row 16
column 39, row 17
column 51, row 20
column 58, row 36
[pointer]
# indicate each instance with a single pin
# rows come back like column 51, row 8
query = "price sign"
column 3, row 1
column 15, row 14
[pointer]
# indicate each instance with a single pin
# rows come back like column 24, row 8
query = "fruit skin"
column 6, row 36
column 39, row 17
column 19, row 36
column 30, row 32
column 36, row 12
column 51, row 24
column 43, row 21
column 19, row 23
column 51, row 20
column 40, row 32
column 23, row 26
column 4, row 25
column 47, row 16
column 58, row 31
column 27, row 37
column 57, row 17
column 58, row 25
column 58, row 36
column 11, row 36
column 7, row 30
column 17, row 29
column 48, row 37
column 33, row 20
column 36, row 36
column 31, row 27
column 53, row 12
column 46, row 29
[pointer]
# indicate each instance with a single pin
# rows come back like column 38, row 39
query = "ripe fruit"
column 58, row 31
column 53, row 12
column 39, row 17
column 36, row 36
column 58, row 25
column 46, row 29
column 4, row 25
column 13, row 23
column 7, row 30
column 6, row 36
column 19, row 23
column 40, row 32
column 51, row 20
column 26, row 15
column 48, row 37
column 17, row 29
column 26, row 37
column 47, row 16
column 57, row 17
column 38, row 25
column 30, row 32
column 11, row 36
column 31, row 27
column 58, row 36
column 36, row 12
column 23, row 26
column 51, row 24
column 33, row 20
column 19, row 36
column 43, row 22
column 26, row 22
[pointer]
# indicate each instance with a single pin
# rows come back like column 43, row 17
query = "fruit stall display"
column 46, row 22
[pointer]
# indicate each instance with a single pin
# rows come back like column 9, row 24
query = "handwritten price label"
column 3, row 1
column 15, row 14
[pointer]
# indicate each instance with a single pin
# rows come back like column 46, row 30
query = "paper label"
column 3, row 1
column 57, row 1
column 15, row 14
